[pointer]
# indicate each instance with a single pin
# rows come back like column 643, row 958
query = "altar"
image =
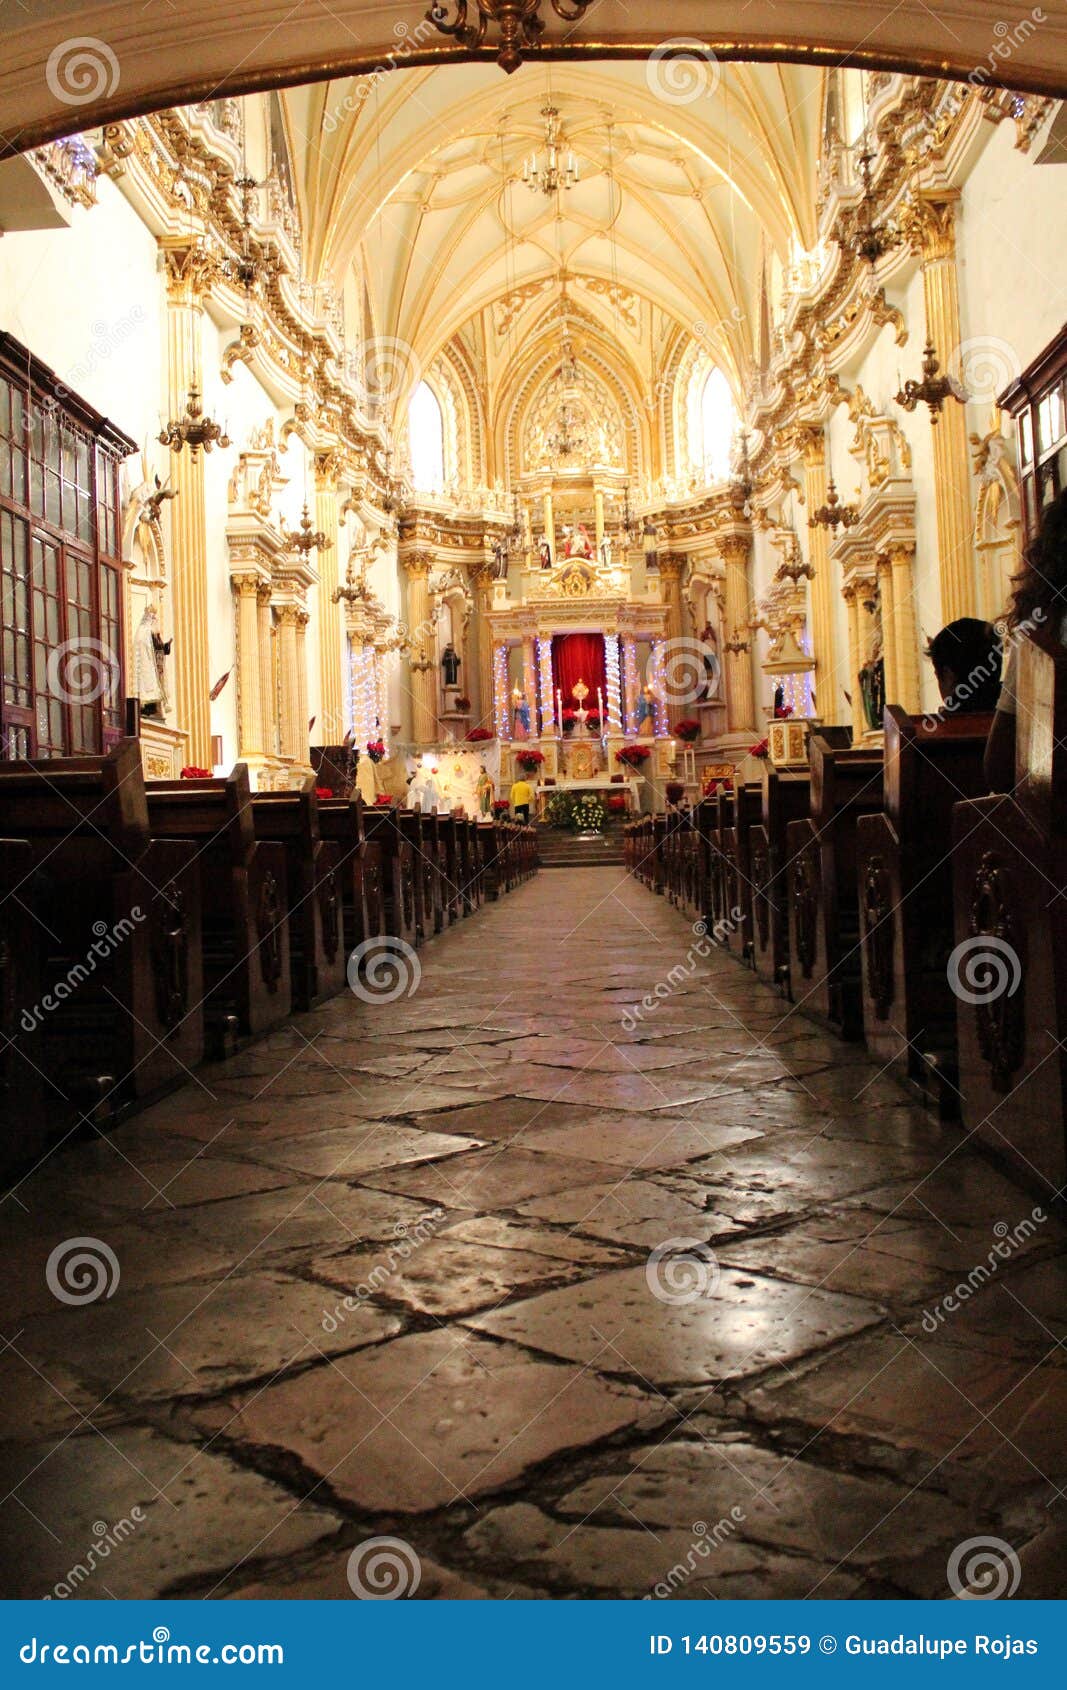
column 602, row 787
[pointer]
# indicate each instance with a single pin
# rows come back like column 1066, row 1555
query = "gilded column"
column 482, row 583
column 331, row 686
column 268, row 737
column 901, row 558
column 598, row 508
column 416, row 565
column 856, row 658
column 250, row 694
column 933, row 232
column 189, row 273
column 890, row 639
column 293, row 740
column 550, row 526
column 829, row 700
column 740, row 708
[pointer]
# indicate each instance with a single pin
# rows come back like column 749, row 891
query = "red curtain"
column 579, row 657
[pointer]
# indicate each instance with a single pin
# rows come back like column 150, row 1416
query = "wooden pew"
column 735, row 838
column 33, row 1111
column 119, row 925
column 1009, row 868
column 825, row 976
column 468, row 865
column 247, row 982
column 387, row 838
column 416, row 832
column 904, row 871
column 489, row 852
column 313, row 893
column 335, row 768
column 341, row 823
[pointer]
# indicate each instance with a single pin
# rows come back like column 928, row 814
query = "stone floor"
column 558, row 1299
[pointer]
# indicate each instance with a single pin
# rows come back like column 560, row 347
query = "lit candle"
column 559, row 711
column 600, row 707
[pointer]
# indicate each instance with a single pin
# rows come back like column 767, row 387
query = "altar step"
column 559, row 849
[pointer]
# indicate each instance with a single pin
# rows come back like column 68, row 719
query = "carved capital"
column 928, row 222
column 189, row 267
column 733, row 547
column 417, row 563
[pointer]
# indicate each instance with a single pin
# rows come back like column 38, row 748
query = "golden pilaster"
column 331, row 723
column 734, row 548
column 189, row 273
column 293, row 740
column 933, row 234
column 829, row 700
column 901, row 558
column 856, row 658
column 422, row 683
column 268, row 735
column 249, row 690
column 890, row 639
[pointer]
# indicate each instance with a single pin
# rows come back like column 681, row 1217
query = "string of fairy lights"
column 501, row 697
column 548, row 700
column 613, row 682
column 629, row 670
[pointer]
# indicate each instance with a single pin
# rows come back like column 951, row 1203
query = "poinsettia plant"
column 592, row 720
column 500, row 806
column 616, row 802
column 478, row 735
column 530, row 759
column 375, row 750
column 463, row 702
column 324, row 792
column 760, row 749
column 688, row 729
column 633, row 755
column 383, row 801
column 192, row 772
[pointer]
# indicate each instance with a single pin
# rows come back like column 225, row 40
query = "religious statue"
column 544, row 552
column 520, row 710
column 578, row 542
column 645, row 713
column 485, row 792
column 709, row 640
column 450, row 665
column 605, row 550
column 150, row 652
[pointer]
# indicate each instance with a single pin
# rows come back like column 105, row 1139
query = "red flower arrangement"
column 675, row 790
column 383, row 801
column 592, row 719
column 375, row 750
column 688, row 729
column 478, row 735
column 191, row 772
column 324, row 792
column 633, row 755
column 616, row 801
column 760, row 749
column 530, row 760
column 500, row 806
column 463, row 702
column 569, row 716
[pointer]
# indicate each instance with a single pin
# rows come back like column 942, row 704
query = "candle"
column 600, row 707
column 559, row 711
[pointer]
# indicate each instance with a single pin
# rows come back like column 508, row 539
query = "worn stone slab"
column 250, row 1229
column 443, row 1276
column 197, row 1514
column 195, row 1340
column 742, row 1324
column 436, row 1418
column 505, row 1118
column 494, row 1178
column 634, row 1211
column 502, row 1233
column 359, row 1148
column 639, row 1141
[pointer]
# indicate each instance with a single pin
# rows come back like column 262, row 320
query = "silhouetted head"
column 966, row 657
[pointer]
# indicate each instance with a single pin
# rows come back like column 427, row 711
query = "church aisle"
column 587, row 1267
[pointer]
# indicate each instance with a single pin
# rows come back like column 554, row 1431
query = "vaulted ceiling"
column 691, row 176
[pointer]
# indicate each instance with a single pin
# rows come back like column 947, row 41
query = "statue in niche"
column 645, row 713
column 150, row 653
column 709, row 641
column 577, row 542
column 520, row 711
column 544, row 552
column 450, row 665
column 605, row 550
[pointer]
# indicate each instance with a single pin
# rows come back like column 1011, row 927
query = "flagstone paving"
column 570, row 1302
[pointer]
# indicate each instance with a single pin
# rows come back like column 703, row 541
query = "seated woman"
column 966, row 656
column 1038, row 601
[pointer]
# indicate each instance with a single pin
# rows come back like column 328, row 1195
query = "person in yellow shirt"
column 521, row 799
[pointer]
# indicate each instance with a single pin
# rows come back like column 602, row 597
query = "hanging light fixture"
column 934, row 388
column 735, row 644
column 870, row 239
column 554, row 173
column 741, row 482
column 193, row 430
column 834, row 515
column 794, row 567
column 304, row 539
column 519, row 23
column 631, row 531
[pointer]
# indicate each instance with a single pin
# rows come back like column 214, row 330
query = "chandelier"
column 742, row 484
column 563, row 442
column 834, row 515
column 735, row 645
column 794, row 567
column 933, row 390
column 248, row 269
column 194, row 429
column 631, row 532
column 553, row 174
column 870, row 239
column 305, row 540
column 519, row 23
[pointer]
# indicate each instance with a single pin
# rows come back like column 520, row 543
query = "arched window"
column 712, row 426
column 426, row 433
